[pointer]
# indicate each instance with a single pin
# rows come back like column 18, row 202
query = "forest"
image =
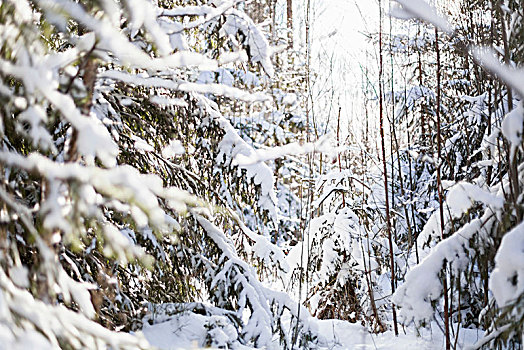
column 261, row 174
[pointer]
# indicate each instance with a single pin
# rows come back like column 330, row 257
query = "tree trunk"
column 440, row 195
column 290, row 23
column 381, row 116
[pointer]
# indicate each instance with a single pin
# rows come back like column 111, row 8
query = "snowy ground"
column 189, row 332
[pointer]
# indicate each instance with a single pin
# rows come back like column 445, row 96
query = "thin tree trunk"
column 512, row 161
column 402, row 192
column 338, row 145
column 290, row 23
column 273, row 21
column 381, row 115
column 440, row 195
column 367, row 273
column 308, row 214
column 392, row 137
column 420, row 82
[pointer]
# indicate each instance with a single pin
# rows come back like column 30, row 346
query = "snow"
column 507, row 280
column 259, row 49
column 114, row 41
column 164, row 101
column 19, row 276
column 231, row 146
column 191, row 330
column 423, row 284
column 420, row 9
column 36, row 118
column 180, row 328
column 224, row 77
column 229, row 57
column 266, row 251
column 323, row 145
column 184, row 86
column 510, row 75
column 52, row 321
column 93, row 138
column 251, row 292
column 150, row 48
column 142, row 13
column 344, row 335
column 77, row 291
column 141, row 144
column 512, row 127
column 207, row 12
column 178, row 333
column 123, row 183
column 173, row 149
column 463, row 195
